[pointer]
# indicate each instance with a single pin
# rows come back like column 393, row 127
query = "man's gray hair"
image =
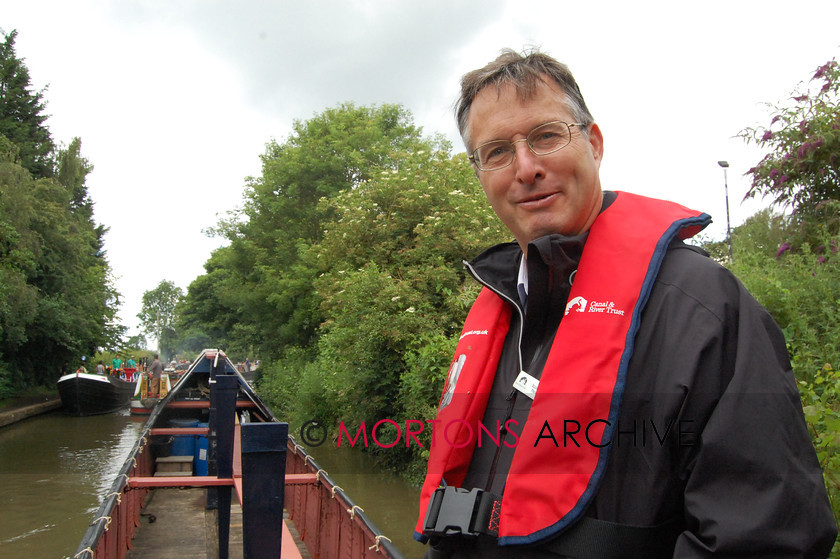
column 523, row 71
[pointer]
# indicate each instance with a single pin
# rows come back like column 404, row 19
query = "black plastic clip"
column 452, row 511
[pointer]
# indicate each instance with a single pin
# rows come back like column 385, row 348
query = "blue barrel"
column 201, row 446
column 183, row 445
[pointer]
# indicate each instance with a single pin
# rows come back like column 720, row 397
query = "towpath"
column 19, row 409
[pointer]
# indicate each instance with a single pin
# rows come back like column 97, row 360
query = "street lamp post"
column 725, row 165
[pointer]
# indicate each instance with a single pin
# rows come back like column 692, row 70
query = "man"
column 155, row 370
column 615, row 392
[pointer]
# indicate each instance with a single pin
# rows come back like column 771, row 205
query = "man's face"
column 538, row 195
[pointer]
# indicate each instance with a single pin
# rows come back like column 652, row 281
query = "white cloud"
column 174, row 101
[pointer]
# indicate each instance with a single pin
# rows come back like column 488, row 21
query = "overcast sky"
column 174, row 101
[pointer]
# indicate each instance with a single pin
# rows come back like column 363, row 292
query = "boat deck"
column 156, row 507
column 174, row 524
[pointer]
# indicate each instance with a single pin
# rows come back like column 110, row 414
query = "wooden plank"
column 175, row 459
column 331, row 513
column 178, row 529
column 179, row 475
column 202, row 404
column 177, row 481
column 207, row 481
column 311, row 516
column 180, row 431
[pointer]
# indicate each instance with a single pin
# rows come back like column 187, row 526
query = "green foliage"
column 799, row 284
column 821, row 400
column 791, row 263
column 208, row 315
column 136, row 342
column 7, row 388
column 57, row 301
column 802, row 166
column 56, row 298
column 801, row 289
column 393, row 294
column 158, row 315
column 266, row 285
column 22, row 112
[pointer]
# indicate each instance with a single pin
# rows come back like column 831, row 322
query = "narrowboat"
column 211, row 475
column 85, row 393
column 143, row 402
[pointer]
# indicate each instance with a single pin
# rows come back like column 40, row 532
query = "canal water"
column 55, row 469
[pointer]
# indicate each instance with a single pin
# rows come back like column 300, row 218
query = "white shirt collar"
column 522, row 279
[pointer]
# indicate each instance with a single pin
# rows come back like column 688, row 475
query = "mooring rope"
column 376, row 541
column 107, row 520
column 117, row 494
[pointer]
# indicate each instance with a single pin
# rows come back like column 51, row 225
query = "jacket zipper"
column 475, row 275
column 511, row 398
column 491, row 477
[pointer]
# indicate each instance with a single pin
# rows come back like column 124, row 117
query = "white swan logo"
column 578, row 302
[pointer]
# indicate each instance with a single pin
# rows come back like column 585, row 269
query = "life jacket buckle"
column 454, row 511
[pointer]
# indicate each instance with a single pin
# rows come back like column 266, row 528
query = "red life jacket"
column 562, row 452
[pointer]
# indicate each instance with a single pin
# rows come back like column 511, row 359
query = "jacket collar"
column 552, row 259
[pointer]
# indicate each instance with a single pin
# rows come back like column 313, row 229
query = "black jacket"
column 711, row 431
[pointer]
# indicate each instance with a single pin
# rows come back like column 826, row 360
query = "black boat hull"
column 87, row 394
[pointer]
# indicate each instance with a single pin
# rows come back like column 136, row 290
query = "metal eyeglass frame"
column 527, row 139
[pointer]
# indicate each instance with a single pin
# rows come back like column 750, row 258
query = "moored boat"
column 214, row 439
column 90, row 394
column 142, row 402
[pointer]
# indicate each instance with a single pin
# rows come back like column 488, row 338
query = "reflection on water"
column 389, row 501
column 55, row 470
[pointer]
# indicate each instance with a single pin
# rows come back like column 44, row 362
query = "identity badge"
column 526, row 384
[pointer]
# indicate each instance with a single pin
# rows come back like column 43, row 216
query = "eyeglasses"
column 542, row 140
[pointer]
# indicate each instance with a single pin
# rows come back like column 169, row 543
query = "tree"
column 72, row 172
column 18, row 247
column 57, row 301
column 207, row 315
column 802, row 167
column 158, row 315
column 270, row 287
column 22, row 112
column 138, row 341
column 392, row 293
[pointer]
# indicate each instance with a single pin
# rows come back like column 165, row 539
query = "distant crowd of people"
column 129, row 368
column 126, row 370
column 246, row 366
